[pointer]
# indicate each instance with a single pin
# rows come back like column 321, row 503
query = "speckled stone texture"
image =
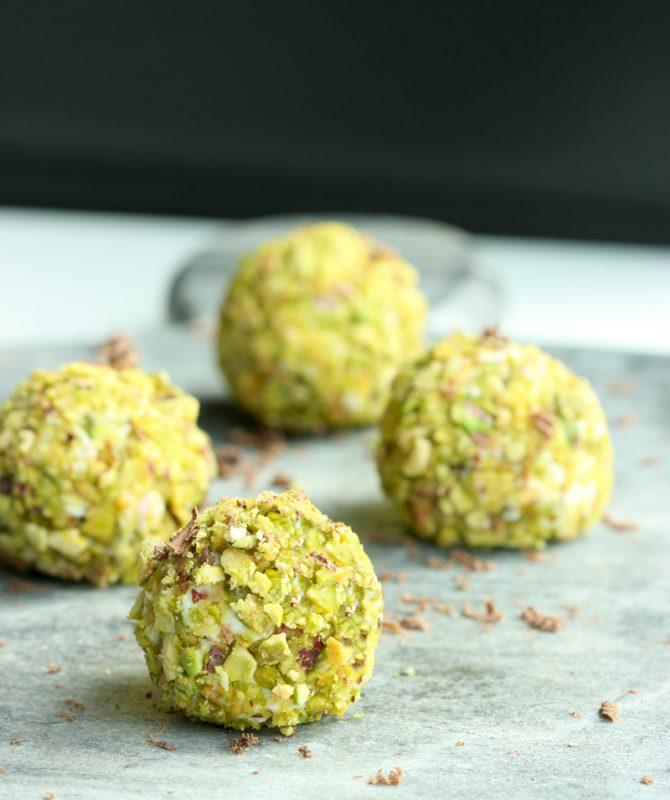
column 505, row 691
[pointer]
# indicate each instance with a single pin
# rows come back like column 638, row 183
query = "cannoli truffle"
column 93, row 458
column 489, row 443
column 259, row 613
column 315, row 325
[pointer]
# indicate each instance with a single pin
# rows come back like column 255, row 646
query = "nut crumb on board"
column 609, row 711
column 394, row 777
column 304, row 751
column 647, row 780
column 53, row 668
column 543, row 622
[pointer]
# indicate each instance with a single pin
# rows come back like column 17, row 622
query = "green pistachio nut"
column 489, row 443
column 315, row 325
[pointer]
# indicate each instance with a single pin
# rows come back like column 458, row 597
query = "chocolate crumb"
column 282, row 481
column 243, row 743
column 304, row 751
column 472, row 563
column 74, row 705
column 545, row 423
column 625, row 421
column 18, row 586
column 461, row 582
column 539, row 557
column 490, row 614
column 439, row 563
column 53, row 668
column 543, row 622
column 574, row 610
column 618, row 525
column 181, row 540
column 119, row 352
column 152, row 741
column 228, row 459
column 394, row 777
column 415, row 623
column 621, row 387
column 647, row 780
column 609, row 711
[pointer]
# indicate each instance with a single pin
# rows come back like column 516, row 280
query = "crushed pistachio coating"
column 489, row 443
column 315, row 325
column 259, row 613
column 92, row 460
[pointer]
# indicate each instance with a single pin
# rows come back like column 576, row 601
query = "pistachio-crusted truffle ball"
column 315, row 325
column 488, row 443
column 259, row 612
column 92, row 460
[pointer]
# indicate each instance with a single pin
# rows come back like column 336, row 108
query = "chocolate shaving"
column 206, row 556
column 181, row 540
column 469, row 561
column 323, row 559
column 74, row 705
column 461, row 582
column 17, row 586
column 625, row 421
column 489, row 615
column 491, row 335
column 543, row 622
column 618, row 525
column 282, row 480
column 119, row 352
column 152, row 741
column 243, row 743
column 621, row 387
column 609, row 711
column 217, row 656
column 539, row 557
column 228, row 459
column 439, row 563
column 414, row 623
column 307, row 656
column 66, row 715
column 161, row 551
column 394, row 777
column 545, row 423
column 304, row 751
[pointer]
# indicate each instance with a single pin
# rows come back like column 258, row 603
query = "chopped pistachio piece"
column 315, row 325
column 489, row 443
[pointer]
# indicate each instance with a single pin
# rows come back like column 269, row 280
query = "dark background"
column 535, row 118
